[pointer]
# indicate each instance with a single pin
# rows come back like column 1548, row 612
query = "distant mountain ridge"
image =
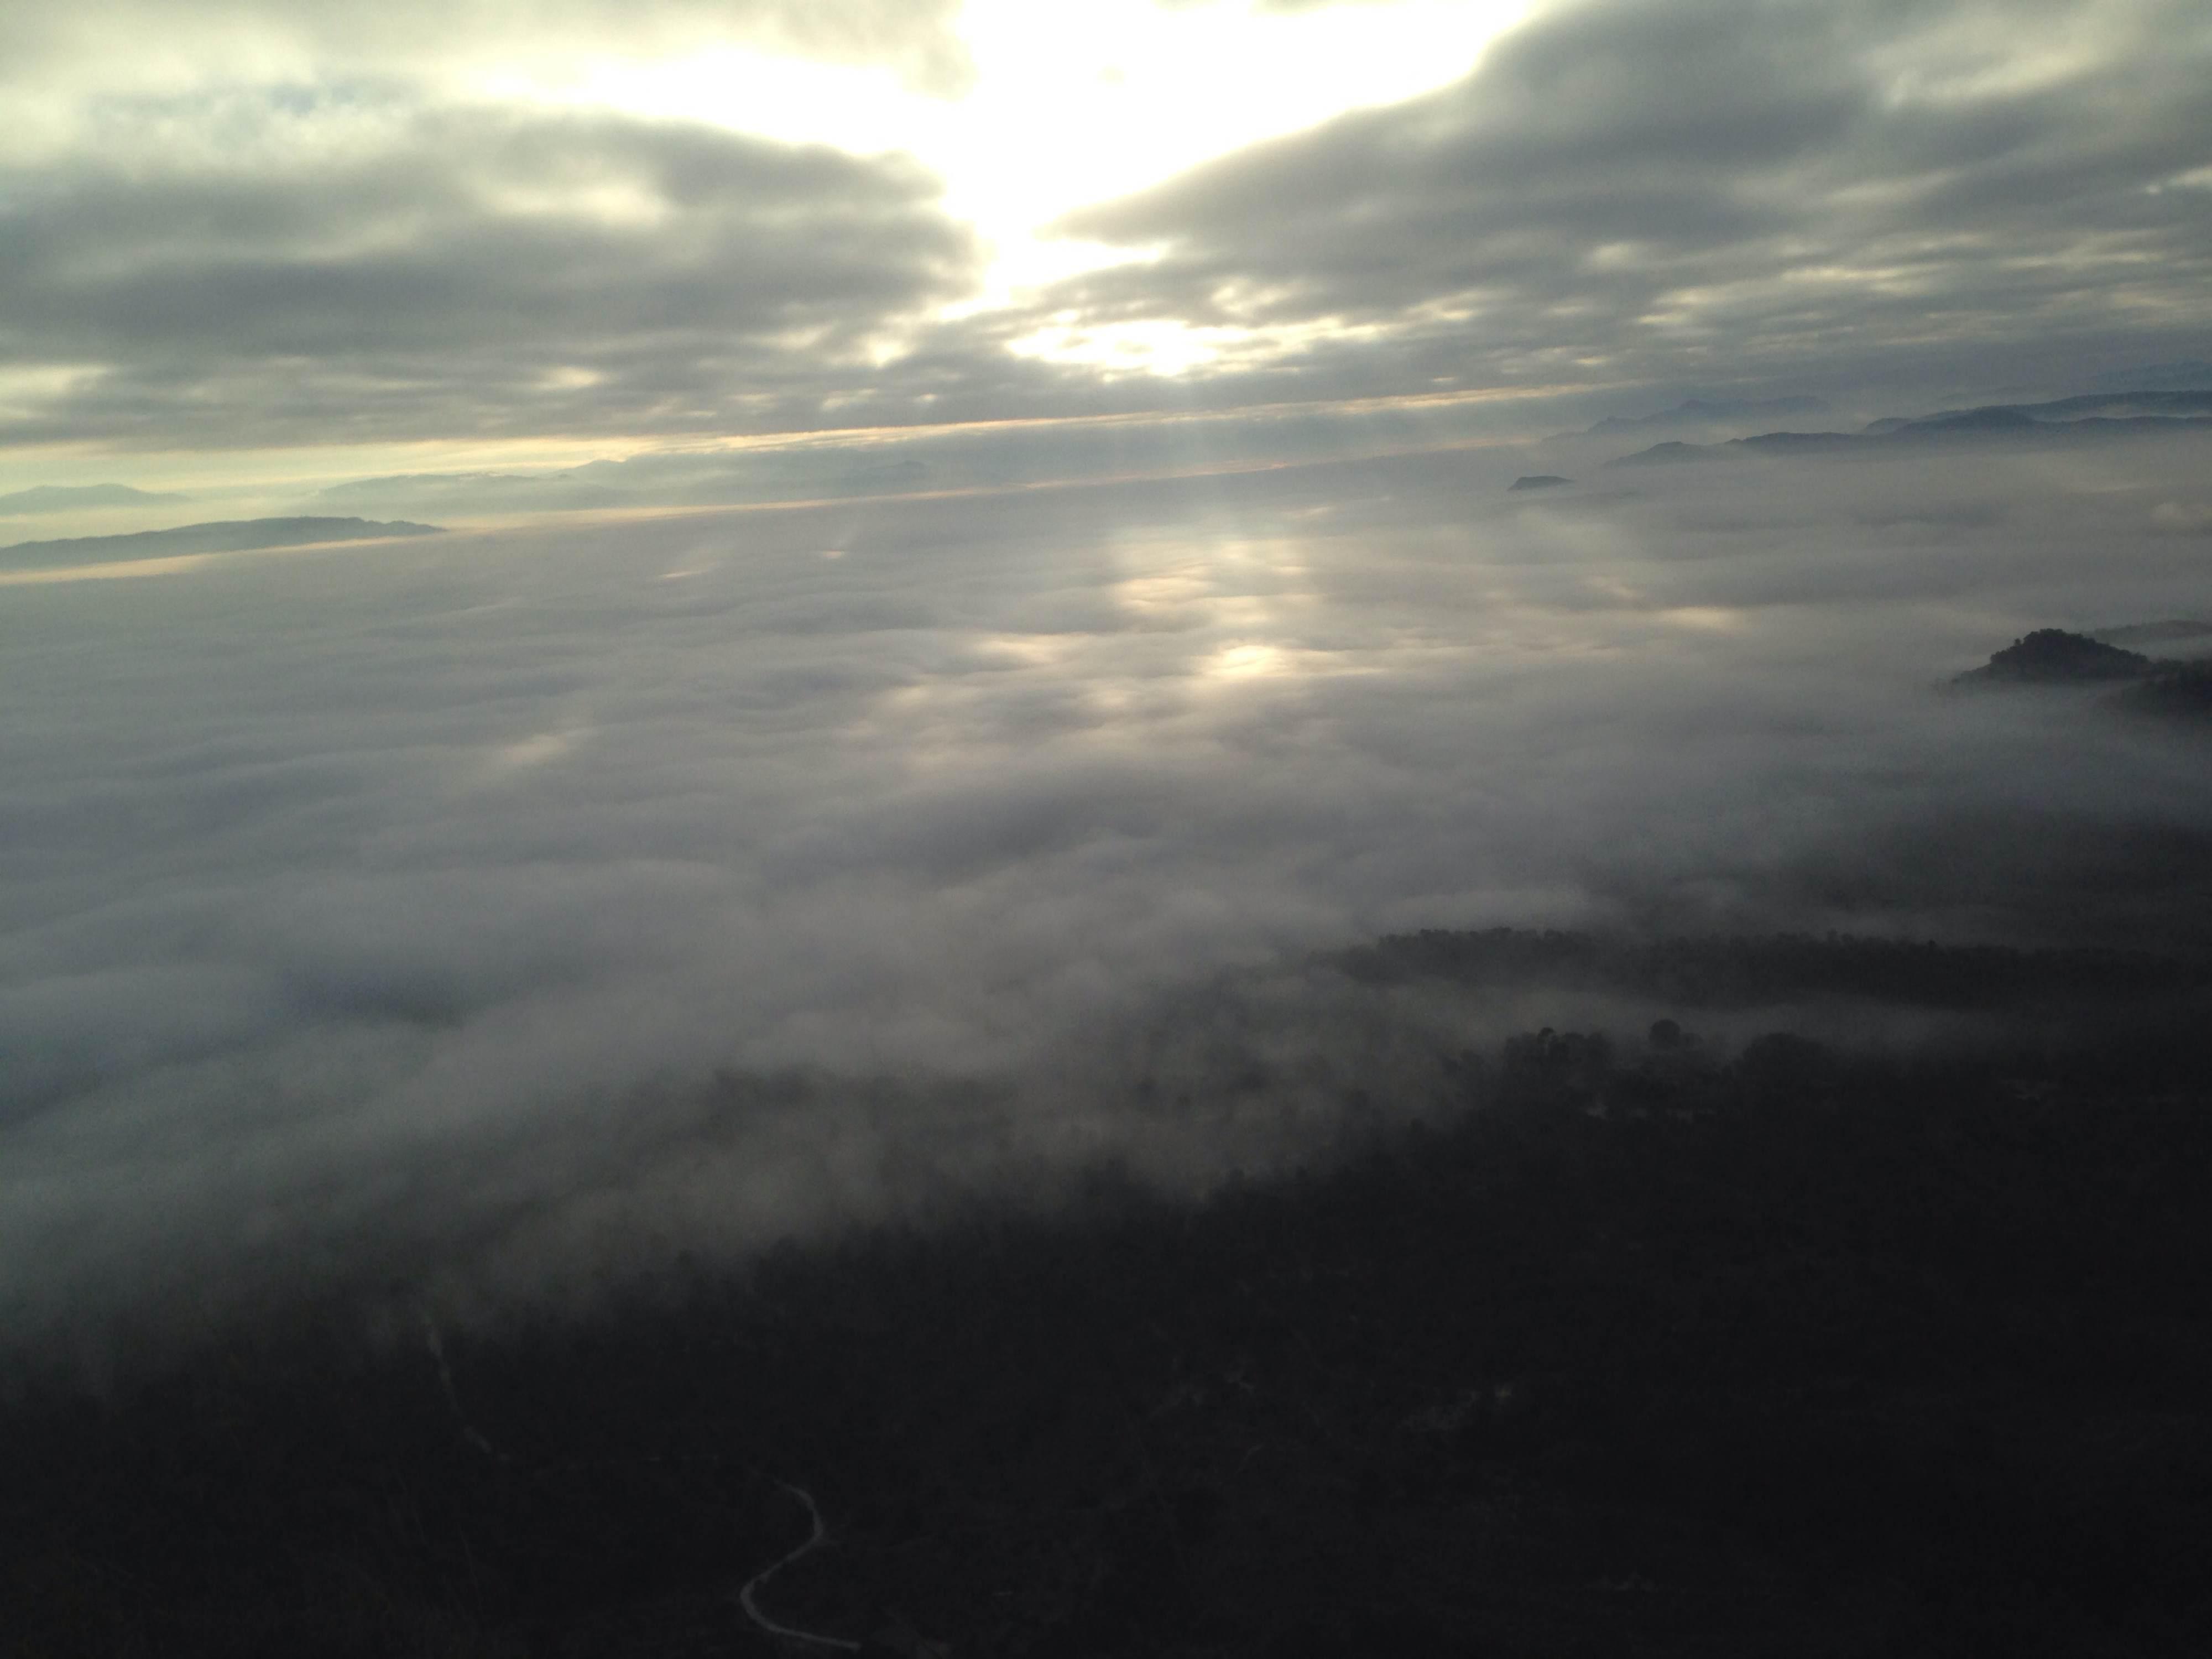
column 1699, row 411
column 2122, row 404
column 230, row 536
column 2180, row 375
column 60, row 498
column 475, row 492
column 674, row 477
column 1673, row 450
column 2089, row 417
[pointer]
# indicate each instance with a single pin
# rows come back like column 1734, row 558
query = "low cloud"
column 372, row 266
column 128, row 43
column 316, row 224
column 487, row 913
column 1913, row 195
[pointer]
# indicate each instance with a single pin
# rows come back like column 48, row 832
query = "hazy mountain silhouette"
column 2184, row 374
column 2090, row 418
column 229, row 536
column 60, row 498
column 1673, row 450
column 476, row 492
column 1698, row 411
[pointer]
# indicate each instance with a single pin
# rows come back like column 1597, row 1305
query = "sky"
column 977, row 539
column 264, row 242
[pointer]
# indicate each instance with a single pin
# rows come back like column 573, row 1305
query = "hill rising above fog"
column 2171, row 687
column 2051, row 656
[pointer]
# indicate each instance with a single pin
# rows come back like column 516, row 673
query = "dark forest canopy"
column 2170, row 688
column 2051, row 656
column 1728, row 970
column 2180, row 690
column 1624, row 1342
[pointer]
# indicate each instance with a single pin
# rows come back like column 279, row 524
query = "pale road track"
column 747, row 1597
column 453, row 1399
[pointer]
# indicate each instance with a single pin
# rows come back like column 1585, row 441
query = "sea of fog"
column 483, row 916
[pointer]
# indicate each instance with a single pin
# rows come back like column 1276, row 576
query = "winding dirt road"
column 748, row 1597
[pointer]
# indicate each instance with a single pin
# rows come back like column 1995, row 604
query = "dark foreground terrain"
column 1644, row 1345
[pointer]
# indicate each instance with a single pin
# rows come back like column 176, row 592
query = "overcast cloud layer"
column 130, row 44
column 459, row 271
column 320, row 225
column 1711, row 188
column 386, row 912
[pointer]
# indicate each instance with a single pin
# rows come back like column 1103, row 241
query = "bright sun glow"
column 1155, row 346
column 1073, row 102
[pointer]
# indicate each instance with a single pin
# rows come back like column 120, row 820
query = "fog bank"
column 487, row 914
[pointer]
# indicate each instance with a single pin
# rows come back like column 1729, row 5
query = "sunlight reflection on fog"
column 410, row 873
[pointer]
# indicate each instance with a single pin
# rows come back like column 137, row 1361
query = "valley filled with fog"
column 485, row 916
column 1158, row 828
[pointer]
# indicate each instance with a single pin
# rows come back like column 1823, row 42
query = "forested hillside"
column 1635, row 1344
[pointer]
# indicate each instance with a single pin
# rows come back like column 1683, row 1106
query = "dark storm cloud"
column 1724, row 189
column 258, row 268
